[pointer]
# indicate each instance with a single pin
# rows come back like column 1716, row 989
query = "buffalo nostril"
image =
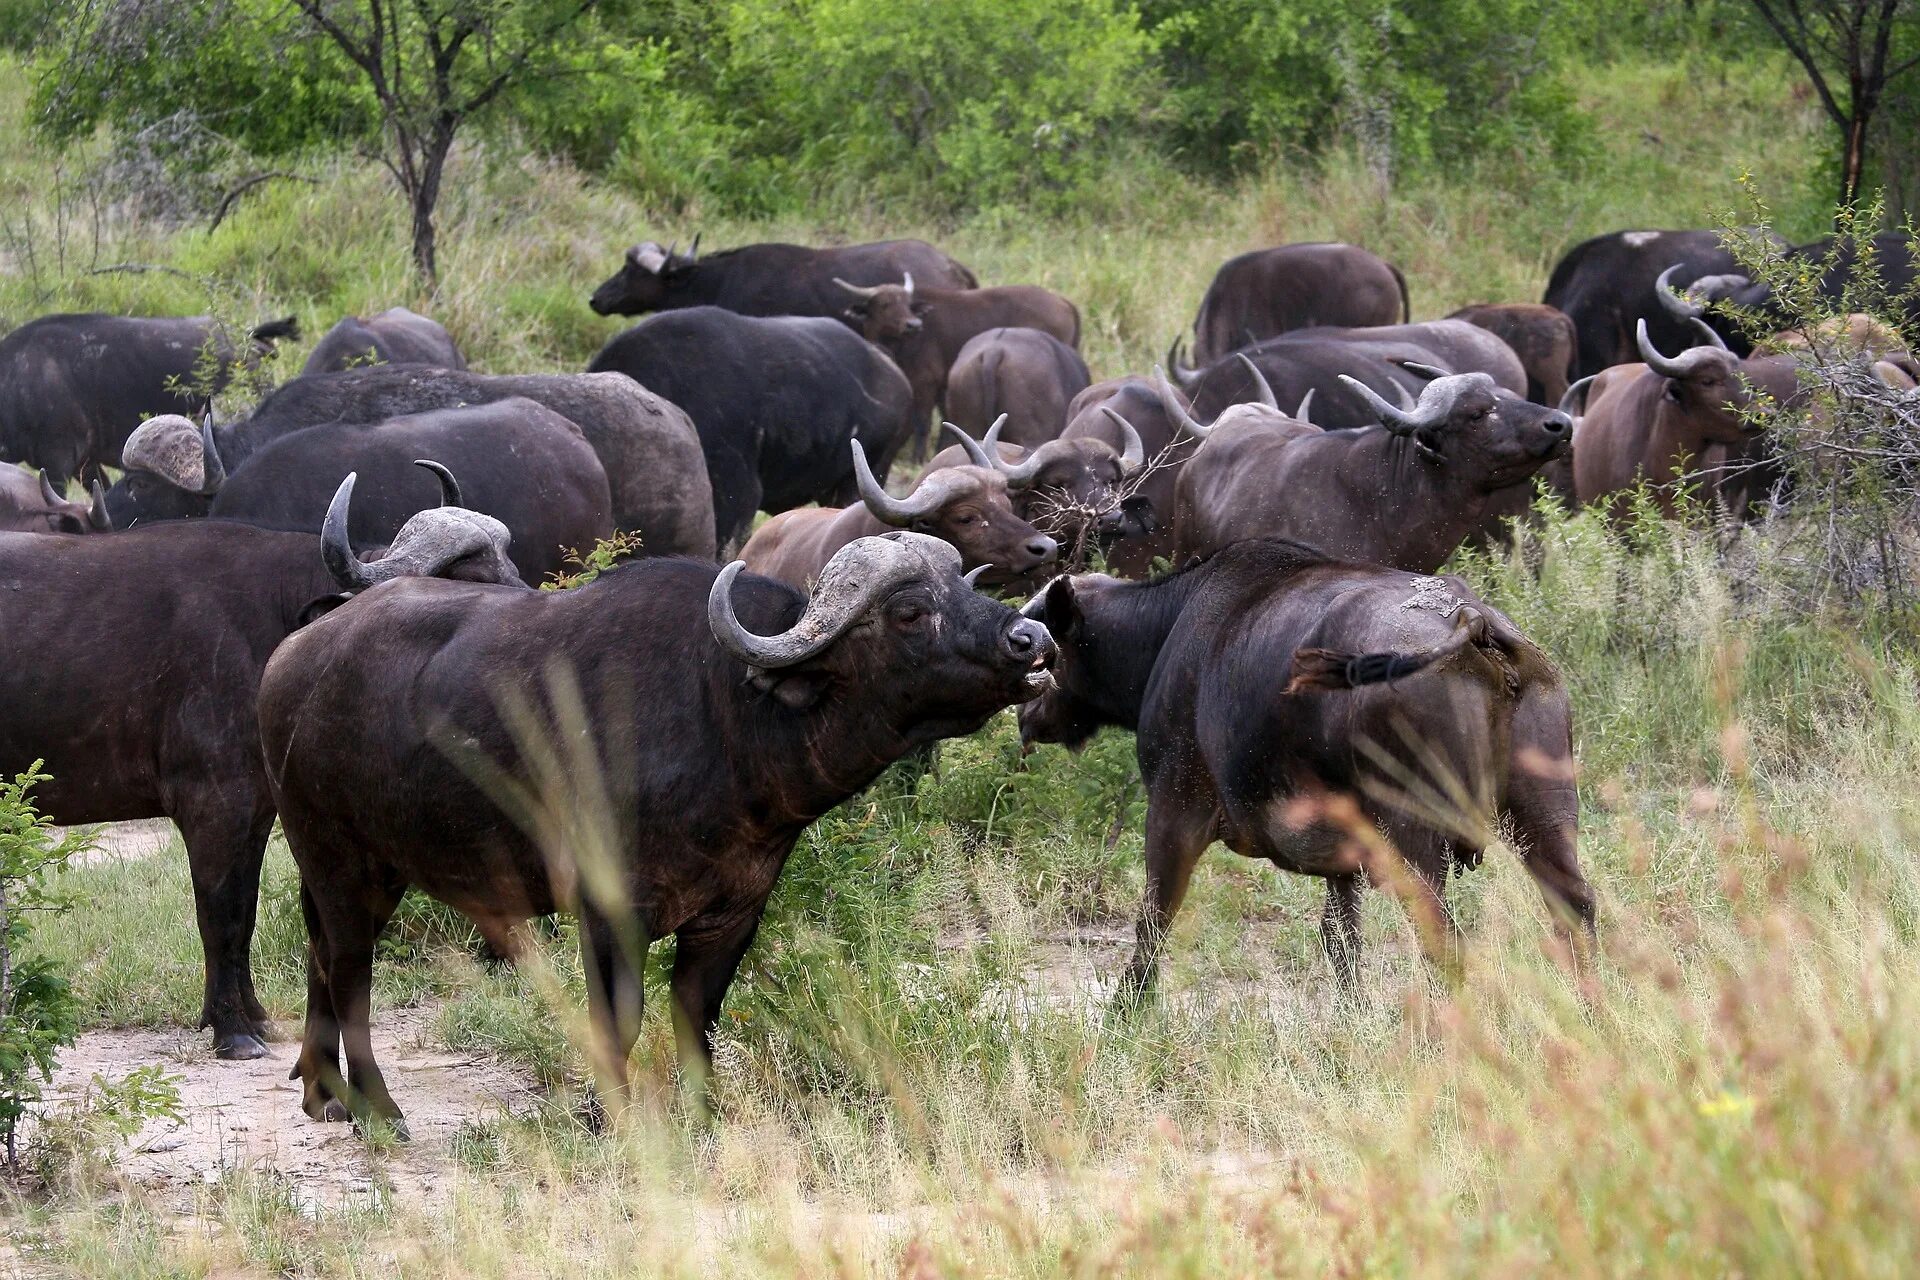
column 1019, row 640
column 1043, row 548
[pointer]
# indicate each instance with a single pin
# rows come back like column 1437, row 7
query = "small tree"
column 433, row 65
column 38, row 1013
column 1850, row 52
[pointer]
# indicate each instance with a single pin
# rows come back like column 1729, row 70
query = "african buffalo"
column 73, row 387
column 1658, row 420
column 1026, row 374
column 774, row 402
column 1080, row 491
column 769, row 279
column 925, row 329
column 1606, row 287
column 712, row 719
column 1166, row 448
column 518, row 460
column 153, row 715
column 1296, row 286
column 968, row 506
column 1327, row 361
column 395, row 336
column 1417, row 715
column 1542, row 336
column 28, row 504
column 647, row 446
column 1405, row 493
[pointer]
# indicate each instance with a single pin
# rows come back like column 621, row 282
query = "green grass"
column 919, row 1074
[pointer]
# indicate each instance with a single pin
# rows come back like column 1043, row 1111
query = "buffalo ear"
column 1061, row 612
column 320, row 608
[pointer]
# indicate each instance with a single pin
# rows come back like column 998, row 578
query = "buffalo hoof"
column 239, row 1046
column 335, row 1112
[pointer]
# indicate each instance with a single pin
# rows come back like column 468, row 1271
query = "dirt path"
column 246, row 1115
column 128, row 841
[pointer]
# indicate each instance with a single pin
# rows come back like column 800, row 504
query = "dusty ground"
column 246, row 1115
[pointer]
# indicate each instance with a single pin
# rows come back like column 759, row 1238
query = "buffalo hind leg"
column 225, row 846
column 1340, row 929
column 708, row 950
column 1544, row 804
column 351, row 918
column 323, row 1088
column 1175, row 840
column 616, row 998
column 1426, row 860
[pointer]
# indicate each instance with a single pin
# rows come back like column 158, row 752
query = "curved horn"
column 97, row 513
column 693, row 250
column 213, row 472
column 1170, row 405
column 1436, row 401
column 859, row 574
column 450, row 495
column 1711, row 334
column 1680, row 366
column 928, row 496
column 1182, row 374
column 1427, row 371
column 1676, row 304
column 858, row 291
column 978, row 453
column 1134, row 456
column 909, row 281
column 47, row 495
column 1306, row 404
column 1576, row 393
column 972, row 576
column 335, row 550
column 1262, row 390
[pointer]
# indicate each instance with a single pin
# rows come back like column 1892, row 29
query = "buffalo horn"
column 859, row 575
column 335, row 549
column 47, row 495
column 1676, row 304
column 1134, row 455
column 97, row 513
column 1576, row 393
column 933, row 492
column 1187, row 378
column 450, row 495
column 1170, row 405
column 858, row 291
column 693, row 250
column 1262, row 390
column 1712, row 335
column 213, row 472
column 908, row 276
column 1306, row 404
column 427, row 543
column 972, row 576
column 980, row 453
column 1435, row 406
column 1683, row 365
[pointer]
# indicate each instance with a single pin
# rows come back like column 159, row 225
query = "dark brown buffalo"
column 1296, row 286
column 704, row 721
column 1659, row 421
column 28, row 504
column 395, row 336
column 1080, row 491
column 1028, row 375
column 129, row 664
column 1415, row 712
column 769, row 279
column 1405, row 493
column 1165, row 447
column 924, row 329
column 1542, row 336
column 969, row 506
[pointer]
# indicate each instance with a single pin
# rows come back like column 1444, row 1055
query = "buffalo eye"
column 907, row 613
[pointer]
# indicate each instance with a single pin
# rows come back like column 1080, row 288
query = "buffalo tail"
column 1330, row 669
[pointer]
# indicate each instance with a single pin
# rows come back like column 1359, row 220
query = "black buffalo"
column 129, row 665
column 646, row 445
column 395, row 336
column 775, row 401
column 1841, row 285
column 769, row 279
column 1416, row 713
column 517, row 460
column 1295, row 286
column 73, row 387
column 1027, row 375
column 713, row 718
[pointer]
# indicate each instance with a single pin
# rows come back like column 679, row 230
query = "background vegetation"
column 918, row 1073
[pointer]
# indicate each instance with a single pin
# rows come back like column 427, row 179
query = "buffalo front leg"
column 708, row 953
column 1340, row 929
column 613, row 957
column 225, row 844
column 1545, row 806
column 1175, row 840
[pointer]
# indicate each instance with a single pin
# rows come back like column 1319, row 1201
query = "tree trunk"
column 1853, row 163
column 426, row 196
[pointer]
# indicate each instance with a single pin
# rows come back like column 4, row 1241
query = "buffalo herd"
column 325, row 611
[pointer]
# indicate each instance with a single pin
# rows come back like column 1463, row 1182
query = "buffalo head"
column 894, row 624
column 1467, row 421
column 1706, row 385
column 887, row 314
column 1074, row 707
column 968, row 507
column 64, row 516
column 173, row 471
column 1263, row 408
column 644, row 280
